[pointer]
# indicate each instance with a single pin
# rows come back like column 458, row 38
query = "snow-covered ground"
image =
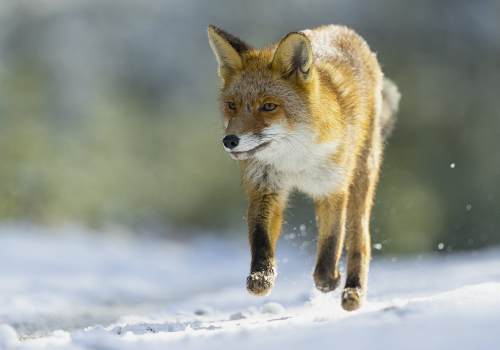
column 67, row 288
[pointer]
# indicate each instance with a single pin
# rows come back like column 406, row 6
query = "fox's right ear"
column 228, row 50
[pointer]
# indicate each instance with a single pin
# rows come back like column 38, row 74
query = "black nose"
column 230, row 141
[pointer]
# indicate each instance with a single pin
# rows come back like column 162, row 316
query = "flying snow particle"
column 452, row 165
column 468, row 207
column 440, row 246
column 377, row 246
column 304, row 245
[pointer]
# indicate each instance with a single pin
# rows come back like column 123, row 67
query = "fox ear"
column 228, row 50
column 294, row 54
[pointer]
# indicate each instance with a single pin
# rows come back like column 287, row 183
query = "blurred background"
column 108, row 114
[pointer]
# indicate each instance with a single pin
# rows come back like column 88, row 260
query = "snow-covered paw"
column 326, row 282
column 352, row 299
column 260, row 283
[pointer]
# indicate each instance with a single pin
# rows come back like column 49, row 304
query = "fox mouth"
column 247, row 154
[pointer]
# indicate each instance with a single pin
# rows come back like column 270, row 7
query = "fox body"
column 311, row 113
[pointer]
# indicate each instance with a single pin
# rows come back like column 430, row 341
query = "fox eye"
column 231, row 105
column 268, row 107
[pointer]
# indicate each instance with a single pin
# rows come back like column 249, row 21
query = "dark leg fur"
column 264, row 224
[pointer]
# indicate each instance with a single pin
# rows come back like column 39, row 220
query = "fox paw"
column 326, row 283
column 260, row 283
column 352, row 298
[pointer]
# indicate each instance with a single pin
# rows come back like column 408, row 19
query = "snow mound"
column 272, row 308
column 8, row 337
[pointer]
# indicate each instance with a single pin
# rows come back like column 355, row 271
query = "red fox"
column 311, row 113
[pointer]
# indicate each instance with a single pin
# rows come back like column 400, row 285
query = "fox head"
column 264, row 99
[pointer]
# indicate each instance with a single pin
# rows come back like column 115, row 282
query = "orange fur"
column 307, row 113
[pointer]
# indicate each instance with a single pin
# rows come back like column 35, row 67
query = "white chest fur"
column 294, row 160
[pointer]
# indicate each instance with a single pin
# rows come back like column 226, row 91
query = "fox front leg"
column 331, row 220
column 264, row 219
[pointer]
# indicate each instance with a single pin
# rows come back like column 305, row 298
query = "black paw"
column 260, row 283
column 326, row 282
column 352, row 299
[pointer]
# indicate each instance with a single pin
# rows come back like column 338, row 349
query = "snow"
column 68, row 288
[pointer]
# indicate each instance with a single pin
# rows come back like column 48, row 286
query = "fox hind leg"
column 361, row 194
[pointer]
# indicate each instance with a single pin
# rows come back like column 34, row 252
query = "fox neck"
column 296, row 161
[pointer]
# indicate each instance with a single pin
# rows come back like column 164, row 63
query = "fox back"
column 309, row 113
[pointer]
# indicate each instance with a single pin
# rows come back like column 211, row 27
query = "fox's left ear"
column 228, row 50
column 294, row 54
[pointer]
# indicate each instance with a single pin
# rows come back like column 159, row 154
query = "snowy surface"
column 71, row 289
